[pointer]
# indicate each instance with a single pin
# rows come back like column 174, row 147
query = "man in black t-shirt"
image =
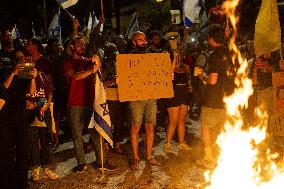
column 218, row 85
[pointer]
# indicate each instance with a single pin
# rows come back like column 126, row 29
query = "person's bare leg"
column 149, row 139
column 134, row 140
column 207, row 141
column 173, row 120
column 181, row 122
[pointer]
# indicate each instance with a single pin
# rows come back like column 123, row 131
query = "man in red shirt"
column 80, row 71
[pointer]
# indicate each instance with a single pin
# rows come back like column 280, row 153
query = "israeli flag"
column 95, row 20
column 191, row 9
column 67, row 3
column 101, row 118
column 15, row 33
column 54, row 29
column 133, row 26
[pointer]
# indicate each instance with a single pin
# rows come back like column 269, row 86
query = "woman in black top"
column 177, row 106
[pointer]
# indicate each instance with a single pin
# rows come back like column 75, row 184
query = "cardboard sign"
column 277, row 117
column 277, row 79
column 112, row 94
column 144, row 76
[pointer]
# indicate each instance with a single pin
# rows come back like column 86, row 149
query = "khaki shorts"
column 148, row 108
column 210, row 117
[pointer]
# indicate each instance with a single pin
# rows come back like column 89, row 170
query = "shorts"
column 140, row 108
column 210, row 117
column 182, row 96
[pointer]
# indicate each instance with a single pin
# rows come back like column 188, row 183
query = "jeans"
column 79, row 118
column 39, row 155
column 40, row 143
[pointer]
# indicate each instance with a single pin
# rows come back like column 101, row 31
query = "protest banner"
column 277, row 117
column 144, row 76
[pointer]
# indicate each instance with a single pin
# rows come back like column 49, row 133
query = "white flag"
column 133, row 27
column 33, row 30
column 191, row 11
column 89, row 25
column 67, row 3
column 54, row 29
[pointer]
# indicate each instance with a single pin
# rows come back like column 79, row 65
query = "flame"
column 239, row 164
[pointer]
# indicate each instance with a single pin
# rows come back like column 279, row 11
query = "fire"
column 239, row 164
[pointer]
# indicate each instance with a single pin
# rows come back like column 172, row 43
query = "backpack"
column 199, row 90
column 197, row 84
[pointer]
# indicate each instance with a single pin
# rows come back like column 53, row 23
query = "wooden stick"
column 102, row 6
column 102, row 156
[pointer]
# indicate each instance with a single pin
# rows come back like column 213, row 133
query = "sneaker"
column 184, row 146
column 168, row 148
column 80, row 168
column 107, row 167
column 36, row 174
column 49, row 174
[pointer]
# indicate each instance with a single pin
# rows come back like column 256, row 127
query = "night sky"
column 24, row 12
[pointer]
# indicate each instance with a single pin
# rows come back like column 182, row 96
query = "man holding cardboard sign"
column 140, row 83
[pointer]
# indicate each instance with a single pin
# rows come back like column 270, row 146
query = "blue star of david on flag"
column 101, row 119
column 105, row 109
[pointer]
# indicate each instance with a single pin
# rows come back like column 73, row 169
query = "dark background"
column 24, row 12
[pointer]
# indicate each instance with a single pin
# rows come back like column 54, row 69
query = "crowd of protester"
column 41, row 86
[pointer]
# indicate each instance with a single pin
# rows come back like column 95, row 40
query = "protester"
column 262, row 82
column 14, row 132
column 39, row 132
column 80, row 71
column 42, row 63
column 156, row 47
column 6, row 52
column 140, row 108
column 177, row 106
column 213, row 111
column 120, row 43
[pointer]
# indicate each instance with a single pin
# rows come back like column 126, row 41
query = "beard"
column 141, row 48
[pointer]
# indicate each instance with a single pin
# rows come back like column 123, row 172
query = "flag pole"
column 102, row 156
column 102, row 7
column 69, row 14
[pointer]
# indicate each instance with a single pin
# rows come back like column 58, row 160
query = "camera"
column 28, row 66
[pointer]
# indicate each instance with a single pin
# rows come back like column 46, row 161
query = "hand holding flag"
column 67, row 3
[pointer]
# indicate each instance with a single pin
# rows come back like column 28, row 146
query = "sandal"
column 135, row 164
column 153, row 162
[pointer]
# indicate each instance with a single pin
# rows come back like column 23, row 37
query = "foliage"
column 158, row 14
